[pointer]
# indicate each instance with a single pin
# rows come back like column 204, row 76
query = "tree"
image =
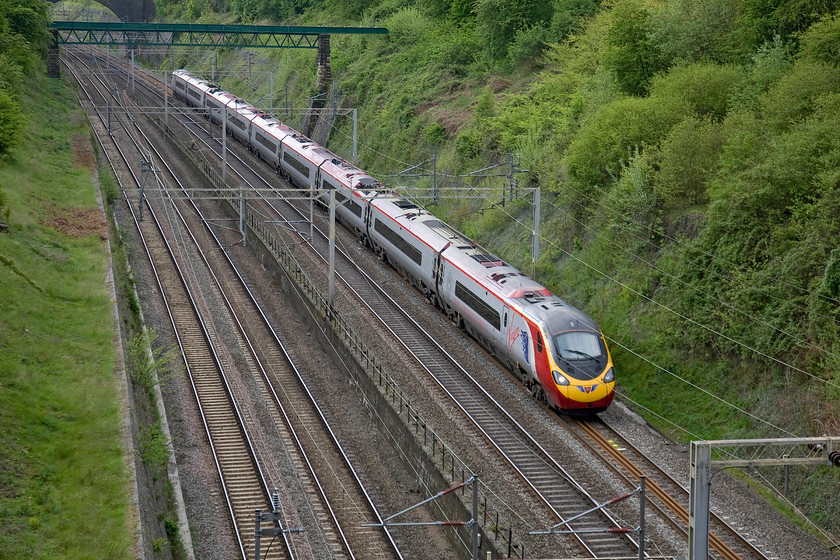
column 821, row 43
column 24, row 28
column 615, row 132
column 706, row 88
column 762, row 20
column 568, row 15
column 631, row 55
column 500, row 20
column 691, row 31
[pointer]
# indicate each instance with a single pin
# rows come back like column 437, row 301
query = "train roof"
column 362, row 184
column 203, row 84
column 559, row 316
column 271, row 126
column 526, row 294
column 222, row 96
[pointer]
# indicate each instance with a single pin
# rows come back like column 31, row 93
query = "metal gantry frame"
column 200, row 35
column 819, row 451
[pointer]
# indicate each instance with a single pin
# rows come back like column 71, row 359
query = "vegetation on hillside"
column 688, row 157
column 23, row 41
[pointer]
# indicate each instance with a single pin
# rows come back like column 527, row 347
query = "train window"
column 477, row 304
column 539, row 343
column 264, row 141
column 355, row 208
column 394, row 239
column 296, row 164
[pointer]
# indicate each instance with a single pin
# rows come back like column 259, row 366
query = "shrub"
column 153, row 446
column 436, row 134
column 635, row 199
column 468, row 143
column 831, row 278
column 608, row 139
column 705, row 88
column 407, row 26
column 5, row 211
column 12, row 121
column 688, row 161
column 527, row 47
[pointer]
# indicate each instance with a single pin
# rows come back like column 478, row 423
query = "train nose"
column 595, row 396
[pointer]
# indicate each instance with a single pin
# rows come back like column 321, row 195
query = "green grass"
column 62, row 471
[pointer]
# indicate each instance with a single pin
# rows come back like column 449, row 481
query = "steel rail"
column 600, row 441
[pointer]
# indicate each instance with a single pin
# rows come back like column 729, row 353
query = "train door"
column 367, row 210
column 505, row 336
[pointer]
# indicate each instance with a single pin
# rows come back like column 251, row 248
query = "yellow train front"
column 582, row 372
column 571, row 361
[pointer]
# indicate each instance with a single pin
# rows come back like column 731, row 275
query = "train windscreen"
column 578, row 345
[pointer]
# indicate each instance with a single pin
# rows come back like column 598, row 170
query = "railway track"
column 667, row 494
column 242, row 483
column 536, row 466
column 239, row 458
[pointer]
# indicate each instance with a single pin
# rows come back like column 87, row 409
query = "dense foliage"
column 690, row 155
column 23, row 42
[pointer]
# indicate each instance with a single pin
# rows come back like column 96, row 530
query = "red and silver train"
column 557, row 351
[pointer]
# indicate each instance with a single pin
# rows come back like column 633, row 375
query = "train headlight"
column 610, row 376
column 559, row 378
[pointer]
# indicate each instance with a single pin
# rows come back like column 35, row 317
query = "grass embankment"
column 65, row 485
